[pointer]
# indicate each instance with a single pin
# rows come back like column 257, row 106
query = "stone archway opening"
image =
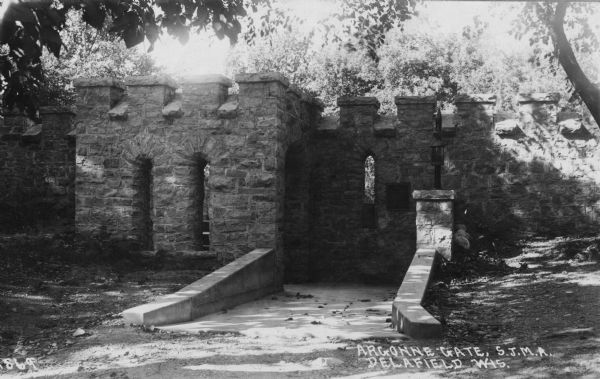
column 368, row 203
column 201, row 223
column 142, row 202
column 297, row 215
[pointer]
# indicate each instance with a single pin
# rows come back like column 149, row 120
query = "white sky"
column 205, row 54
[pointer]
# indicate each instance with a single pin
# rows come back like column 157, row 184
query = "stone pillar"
column 153, row 92
column 247, row 185
column 171, row 194
column 358, row 112
column 475, row 114
column 201, row 97
column 539, row 112
column 95, row 211
column 435, row 220
column 416, row 112
column 434, row 236
column 466, row 166
column 204, row 94
column 262, row 94
column 416, row 122
column 97, row 94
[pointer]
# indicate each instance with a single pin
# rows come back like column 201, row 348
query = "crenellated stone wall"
column 149, row 124
column 536, row 171
column 349, row 245
column 37, row 169
column 162, row 163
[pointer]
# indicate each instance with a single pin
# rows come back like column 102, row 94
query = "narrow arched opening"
column 142, row 204
column 369, row 193
column 201, row 224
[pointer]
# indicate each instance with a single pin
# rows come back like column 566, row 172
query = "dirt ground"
column 540, row 320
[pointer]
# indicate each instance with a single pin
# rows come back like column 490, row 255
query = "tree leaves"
column 133, row 35
column 30, row 26
column 545, row 23
column 268, row 20
column 87, row 52
column 366, row 23
column 94, row 13
column 51, row 39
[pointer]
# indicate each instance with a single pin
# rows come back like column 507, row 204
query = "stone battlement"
column 167, row 164
column 190, row 165
column 206, row 93
column 417, row 115
column 464, row 103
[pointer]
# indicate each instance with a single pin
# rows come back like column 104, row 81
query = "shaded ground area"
column 48, row 290
column 550, row 302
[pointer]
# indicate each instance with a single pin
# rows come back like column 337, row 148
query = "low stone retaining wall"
column 408, row 316
column 434, row 224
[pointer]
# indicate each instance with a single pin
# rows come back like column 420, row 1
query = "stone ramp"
column 435, row 223
column 248, row 278
column 307, row 311
column 408, row 316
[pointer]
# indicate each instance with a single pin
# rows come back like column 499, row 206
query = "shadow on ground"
column 552, row 304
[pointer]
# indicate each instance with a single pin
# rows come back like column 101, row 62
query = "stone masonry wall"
column 243, row 138
column 37, row 169
column 535, row 172
column 281, row 176
column 347, row 248
column 435, row 220
column 297, row 217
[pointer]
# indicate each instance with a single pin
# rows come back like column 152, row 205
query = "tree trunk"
column 588, row 91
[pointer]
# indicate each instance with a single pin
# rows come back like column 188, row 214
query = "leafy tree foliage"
column 88, row 52
column 542, row 22
column 360, row 25
column 344, row 74
column 326, row 71
column 29, row 27
column 363, row 24
column 413, row 60
column 288, row 52
column 550, row 24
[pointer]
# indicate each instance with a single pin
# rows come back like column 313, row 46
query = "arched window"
column 142, row 205
column 201, row 223
column 369, row 197
column 205, row 222
column 368, row 209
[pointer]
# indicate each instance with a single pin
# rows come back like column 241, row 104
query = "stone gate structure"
column 167, row 165
column 143, row 151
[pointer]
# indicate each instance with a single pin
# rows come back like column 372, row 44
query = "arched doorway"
column 142, row 202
